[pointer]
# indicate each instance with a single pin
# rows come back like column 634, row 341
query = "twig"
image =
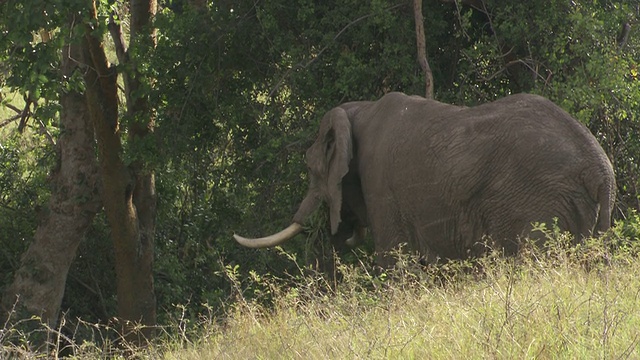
column 26, row 113
column 47, row 134
column 10, row 120
column 14, row 108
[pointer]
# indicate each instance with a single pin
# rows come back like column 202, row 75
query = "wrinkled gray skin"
column 441, row 177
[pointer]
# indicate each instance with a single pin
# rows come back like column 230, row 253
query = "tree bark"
column 142, row 11
column 144, row 196
column 128, row 191
column 422, row 48
column 39, row 283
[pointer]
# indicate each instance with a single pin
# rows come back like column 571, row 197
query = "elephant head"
column 330, row 172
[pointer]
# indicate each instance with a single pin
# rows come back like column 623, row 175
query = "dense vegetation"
column 232, row 92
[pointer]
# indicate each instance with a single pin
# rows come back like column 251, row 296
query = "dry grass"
column 558, row 303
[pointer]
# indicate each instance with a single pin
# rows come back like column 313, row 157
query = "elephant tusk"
column 271, row 240
column 358, row 237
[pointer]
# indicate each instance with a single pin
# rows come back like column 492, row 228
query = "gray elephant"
column 444, row 178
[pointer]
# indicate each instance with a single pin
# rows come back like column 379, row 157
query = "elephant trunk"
column 308, row 205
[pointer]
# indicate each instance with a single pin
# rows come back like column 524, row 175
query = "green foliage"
column 238, row 90
column 23, row 191
column 90, row 292
column 236, row 116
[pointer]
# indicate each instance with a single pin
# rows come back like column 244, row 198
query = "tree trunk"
column 39, row 283
column 144, row 197
column 422, row 48
column 128, row 191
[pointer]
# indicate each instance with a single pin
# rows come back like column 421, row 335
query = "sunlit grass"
column 559, row 302
column 564, row 303
column 516, row 310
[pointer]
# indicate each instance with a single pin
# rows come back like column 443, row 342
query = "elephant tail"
column 606, row 199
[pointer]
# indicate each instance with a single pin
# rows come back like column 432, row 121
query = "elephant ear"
column 333, row 151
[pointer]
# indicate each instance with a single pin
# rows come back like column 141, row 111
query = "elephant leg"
column 393, row 232
column 585, row 218
column 387, row 232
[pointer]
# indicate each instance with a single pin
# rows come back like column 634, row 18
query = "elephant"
column 441, row 179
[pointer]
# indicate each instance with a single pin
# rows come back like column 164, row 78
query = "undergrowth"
column 558, row 301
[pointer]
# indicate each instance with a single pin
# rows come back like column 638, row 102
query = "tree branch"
column 10, row 120
column 14, row 108
column 422, row 48
column 623, row 37
column 26, row 113
column 118, row 38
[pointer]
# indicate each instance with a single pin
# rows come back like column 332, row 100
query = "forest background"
column 137, row 136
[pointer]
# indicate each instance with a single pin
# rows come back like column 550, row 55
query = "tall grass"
column 561, row 303
column 557, row 302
